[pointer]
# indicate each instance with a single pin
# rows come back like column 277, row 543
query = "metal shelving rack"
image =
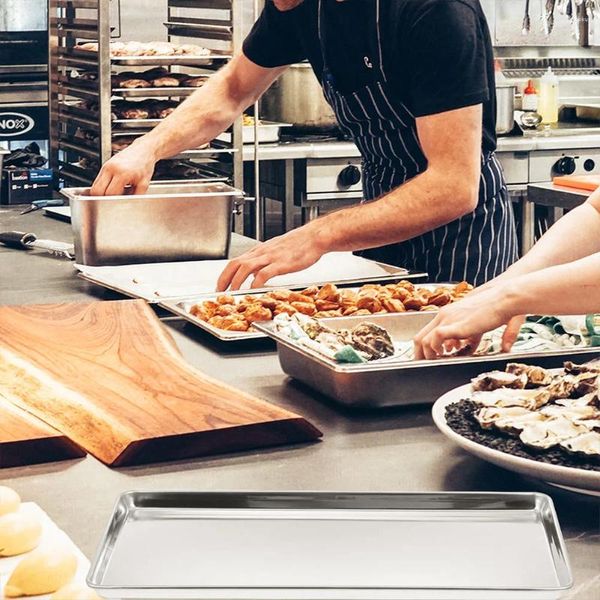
column 214, row 24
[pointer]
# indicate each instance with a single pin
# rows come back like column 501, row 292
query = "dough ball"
column 19, row 532
column 75, row 591
column 43, row 571
column 9, row 500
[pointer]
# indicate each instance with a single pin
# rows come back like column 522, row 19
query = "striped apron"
column 476, row 247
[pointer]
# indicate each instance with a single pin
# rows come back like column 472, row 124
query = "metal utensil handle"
column 17, row 239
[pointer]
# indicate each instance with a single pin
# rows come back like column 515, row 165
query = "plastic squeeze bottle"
column 530, row 98
column 548, row 98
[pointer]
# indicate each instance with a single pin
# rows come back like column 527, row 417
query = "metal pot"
column 505, row 111
column 297, row 98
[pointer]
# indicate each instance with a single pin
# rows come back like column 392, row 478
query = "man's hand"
column 294, row 251
column 131, row 168
column 463, row 323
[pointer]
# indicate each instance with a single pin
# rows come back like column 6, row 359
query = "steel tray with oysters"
column 551, row 416
column 234, row 314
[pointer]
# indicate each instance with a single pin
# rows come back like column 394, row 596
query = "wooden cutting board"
column 25, row 440
column 109, row 377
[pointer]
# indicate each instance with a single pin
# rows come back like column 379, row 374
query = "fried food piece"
column 281, row 295
column 269, row 303
column 216, row 322
column 299, row 297
column 326, row 305
column 348, row 299
column 362, row 312
column 429, row 307
column 225, row 299
column 284, row 307
column 373, row 305
column 350, row 310
column 440, row 298
column 329, row 292
column 306, row 308
column 463, row 287
column 415, row 302
column 311, row 291
column 235, row 323
column 210, row 308
column 257, row 312
column 226, row 309
column 393, row 305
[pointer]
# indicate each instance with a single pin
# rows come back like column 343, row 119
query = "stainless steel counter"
column 303, row 150
column 391, row 450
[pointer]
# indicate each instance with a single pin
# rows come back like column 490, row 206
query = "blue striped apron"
column 476, row 247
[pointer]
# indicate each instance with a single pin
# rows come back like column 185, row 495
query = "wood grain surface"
column 109, row 377
column 25, row 440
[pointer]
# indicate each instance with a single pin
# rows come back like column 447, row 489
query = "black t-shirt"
column 436, row 54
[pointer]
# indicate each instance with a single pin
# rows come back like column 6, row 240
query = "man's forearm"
column 423, row 204
column 571, row 288
column 208, row 112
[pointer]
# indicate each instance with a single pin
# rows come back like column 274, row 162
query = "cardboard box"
column 23, row 186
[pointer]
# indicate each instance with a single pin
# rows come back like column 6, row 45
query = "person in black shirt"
column 412, row 83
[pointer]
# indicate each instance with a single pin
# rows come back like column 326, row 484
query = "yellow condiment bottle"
column 548, row 99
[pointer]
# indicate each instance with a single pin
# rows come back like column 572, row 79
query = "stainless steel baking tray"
column 168, row 223
column 182, row 308
column 177, row 281
column 332, row 546
column 188, row 61
column 393, row 383
column 135, row 123
column 154, row 92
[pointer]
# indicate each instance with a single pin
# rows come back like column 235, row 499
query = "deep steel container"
column 297, row 98
column 505, row 111
column 168, row 223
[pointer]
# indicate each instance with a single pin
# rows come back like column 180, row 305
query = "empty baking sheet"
column 156, row 282
column 319, row 546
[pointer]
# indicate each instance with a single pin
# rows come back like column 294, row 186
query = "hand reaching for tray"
column 294, row 251
column 459, row 327
column 129, row 171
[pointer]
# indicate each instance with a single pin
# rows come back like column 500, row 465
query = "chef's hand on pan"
column 460, row 326
column 294, row 251
column 129, row 171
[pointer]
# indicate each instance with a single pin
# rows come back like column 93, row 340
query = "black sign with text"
column 23, row 123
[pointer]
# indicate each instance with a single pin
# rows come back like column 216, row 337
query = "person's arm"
column 447, row 190
column 574, row 236
column 566, row 289
column 198, row 120
column 558, row 276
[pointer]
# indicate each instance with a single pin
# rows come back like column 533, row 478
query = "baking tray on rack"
column 332, row 546
column 176, row 59
column 161, row 282
column 392, row 382
column 154, row 92
column 182, row 308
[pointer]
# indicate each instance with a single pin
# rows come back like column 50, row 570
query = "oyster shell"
column 372, row 340
column 575, row 369
column 545, row 434
column 498, row 379
column 512, row 419
column 534, row 376
column 572, row 412
column 586, row 443
column 504, row 397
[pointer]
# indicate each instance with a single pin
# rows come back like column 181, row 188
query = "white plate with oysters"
column 539, row 423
